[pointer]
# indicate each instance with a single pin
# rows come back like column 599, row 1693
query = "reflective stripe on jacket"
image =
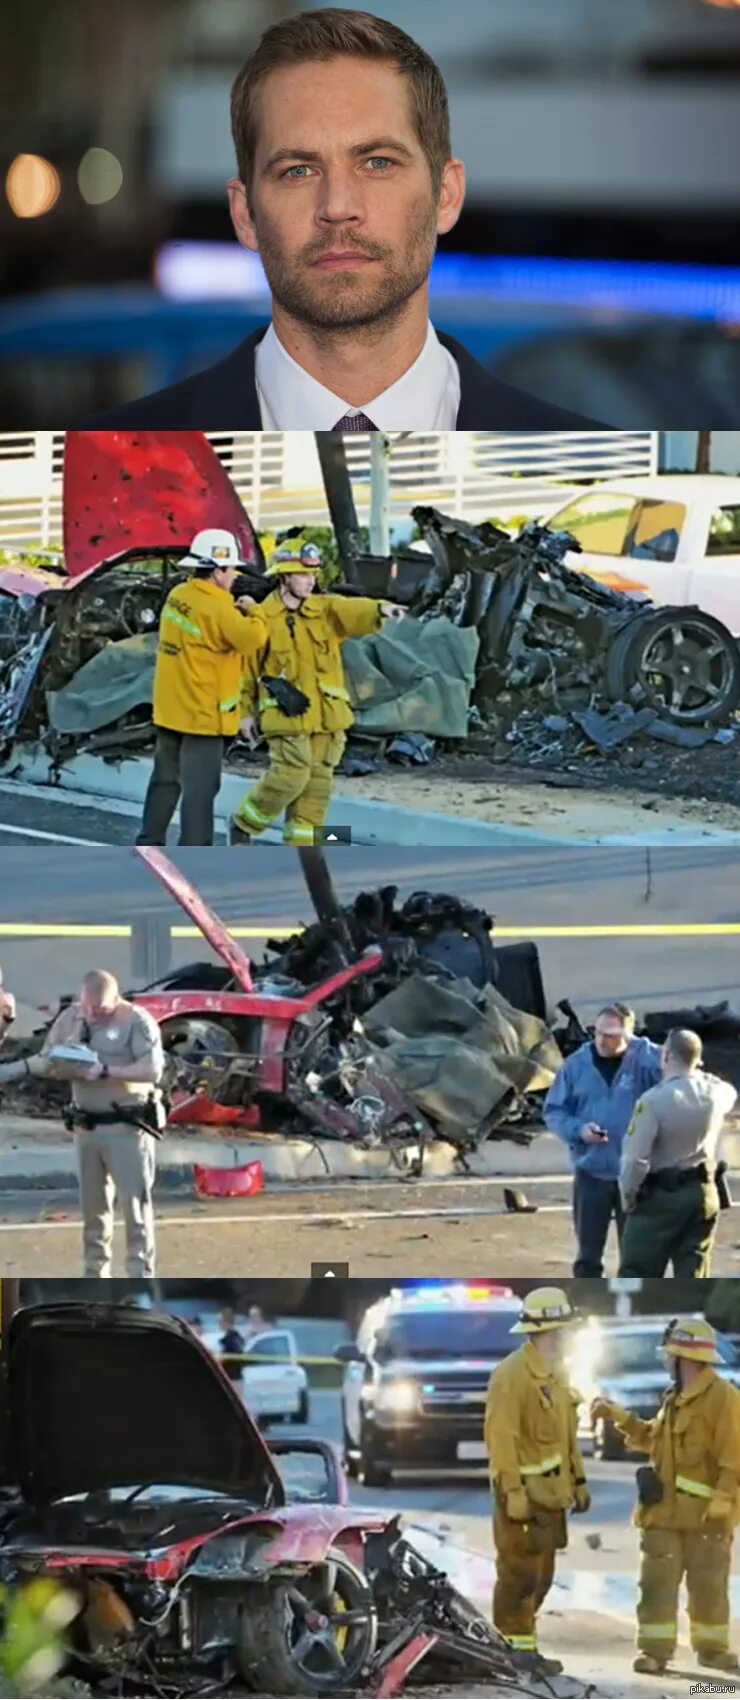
column 204, row 644
column 531, row 1430
column 694, row 1445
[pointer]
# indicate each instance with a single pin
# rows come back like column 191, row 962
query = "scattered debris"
column 393, row 1026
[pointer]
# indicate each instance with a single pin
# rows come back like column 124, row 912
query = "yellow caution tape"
column 677, row 929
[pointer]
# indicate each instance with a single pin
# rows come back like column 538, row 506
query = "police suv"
column 417, row 1375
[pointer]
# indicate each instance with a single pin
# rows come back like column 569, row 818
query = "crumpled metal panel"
column 147, row 490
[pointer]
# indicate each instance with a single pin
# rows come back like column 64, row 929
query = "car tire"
column 350, row 1458
column 609, row 1444
column 270, row 1632
column 304, row 1408
column 661, row 632
column 373, row 1472
column 375, row 1475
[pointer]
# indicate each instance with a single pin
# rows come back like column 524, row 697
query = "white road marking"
column 52, row 837
column 322, row 1218
column 75, row 799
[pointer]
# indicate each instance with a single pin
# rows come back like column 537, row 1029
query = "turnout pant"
column 595, row 1202
column 525, row 1566
column 704, row 1560
column 187, row 770
column 298, row 783
column 116, row 1161
column 672, row 1227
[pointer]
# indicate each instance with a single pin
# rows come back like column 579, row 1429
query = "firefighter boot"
column 648, row 1665
column 721, row 1660
column 541, row 1666
column 238, row 834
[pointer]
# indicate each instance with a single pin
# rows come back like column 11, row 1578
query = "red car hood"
column 205, row 918
column 136, row 492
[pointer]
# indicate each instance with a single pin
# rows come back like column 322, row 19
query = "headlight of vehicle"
column 401, row 1396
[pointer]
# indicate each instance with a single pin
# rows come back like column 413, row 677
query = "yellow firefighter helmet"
column 543, row 1309
column 692, row 1338
column 296, row 556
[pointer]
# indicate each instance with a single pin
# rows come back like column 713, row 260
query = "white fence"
column 477, row 475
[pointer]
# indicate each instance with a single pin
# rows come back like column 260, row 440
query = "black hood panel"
column 103, row 1397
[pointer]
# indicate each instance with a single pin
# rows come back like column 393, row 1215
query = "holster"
column 723, row 1186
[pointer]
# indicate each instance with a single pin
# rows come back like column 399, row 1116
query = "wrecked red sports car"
column 134, row 1475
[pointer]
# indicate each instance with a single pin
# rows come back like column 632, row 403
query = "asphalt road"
column 524, row 890
column 390, row 1229
column 588, row 1619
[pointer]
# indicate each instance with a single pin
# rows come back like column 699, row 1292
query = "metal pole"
column 380, row 484
column 340, row 499
column 322, row 894
column 151, row 947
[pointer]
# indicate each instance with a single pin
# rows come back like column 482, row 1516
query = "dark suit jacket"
column 224, row 398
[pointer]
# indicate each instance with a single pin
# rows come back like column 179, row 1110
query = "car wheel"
column 686, row 663
column 311, row 1634
column 302, row 1414
column 372, row 1471
column 350, row 1459
column 608, row 1442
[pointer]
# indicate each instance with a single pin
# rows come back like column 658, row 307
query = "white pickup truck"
column 673, row 537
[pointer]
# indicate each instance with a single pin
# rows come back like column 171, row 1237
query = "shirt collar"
column 537, row 1365
column 426, row 397
column 699, row 1386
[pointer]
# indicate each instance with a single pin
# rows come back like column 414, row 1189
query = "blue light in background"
column 609, row 287
column 209, row 271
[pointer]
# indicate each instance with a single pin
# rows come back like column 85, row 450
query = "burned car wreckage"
column 381, row 1024
column 501, row 620
column 195, row 1556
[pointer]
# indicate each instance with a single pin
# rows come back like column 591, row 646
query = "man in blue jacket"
column 590, row 1106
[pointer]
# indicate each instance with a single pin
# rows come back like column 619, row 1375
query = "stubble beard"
column 339, row 302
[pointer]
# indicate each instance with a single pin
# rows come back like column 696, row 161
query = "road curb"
column 27, row 1164
column 369, row 822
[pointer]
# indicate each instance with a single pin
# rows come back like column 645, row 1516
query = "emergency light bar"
column 459, row 1292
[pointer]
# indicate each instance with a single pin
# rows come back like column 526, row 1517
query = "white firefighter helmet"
column 543, row 1309
column 214, row 549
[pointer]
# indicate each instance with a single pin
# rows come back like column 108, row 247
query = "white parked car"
column 274, row 1386
column 673, row 537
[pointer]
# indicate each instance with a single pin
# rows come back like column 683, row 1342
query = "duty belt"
column 670, row 1179
column 142, row 1117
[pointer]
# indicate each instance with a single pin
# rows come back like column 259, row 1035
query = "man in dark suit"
column 346, row 179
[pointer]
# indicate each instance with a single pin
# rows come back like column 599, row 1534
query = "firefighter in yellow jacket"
column 689, row 1502
column 537, row 1471
column 295, row 691
column 204, row 644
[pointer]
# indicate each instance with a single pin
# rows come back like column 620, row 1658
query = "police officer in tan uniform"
column 669, row 1160
column 116, row 1109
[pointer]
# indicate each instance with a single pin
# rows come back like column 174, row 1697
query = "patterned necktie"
column 354, row 422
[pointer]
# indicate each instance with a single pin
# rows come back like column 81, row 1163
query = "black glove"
column 289, row 699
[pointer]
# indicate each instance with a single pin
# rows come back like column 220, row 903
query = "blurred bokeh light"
column 32, row 185
column 100, row 176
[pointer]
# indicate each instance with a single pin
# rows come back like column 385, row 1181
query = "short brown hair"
column 618, row 1012
column 685, row 1045
column 98, row 981
column 328, row 34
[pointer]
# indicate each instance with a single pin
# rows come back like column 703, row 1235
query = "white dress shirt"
column 426, row 398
